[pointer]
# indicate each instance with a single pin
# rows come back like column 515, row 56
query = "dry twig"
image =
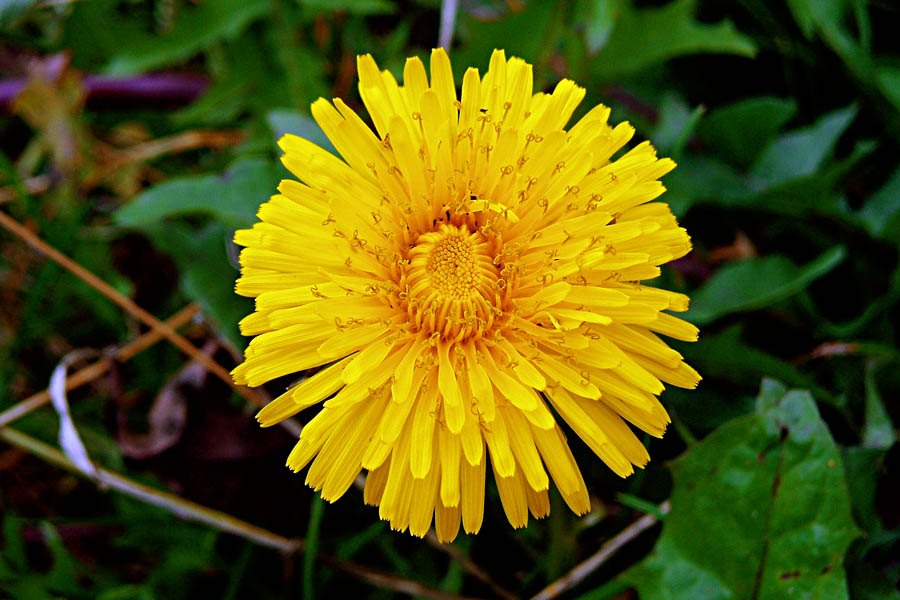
column 174, row 504
column 95, row 370
column 576, row 575
column 127, row 304
column 389, row 581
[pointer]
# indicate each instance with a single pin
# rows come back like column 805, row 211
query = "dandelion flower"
column 457, row 276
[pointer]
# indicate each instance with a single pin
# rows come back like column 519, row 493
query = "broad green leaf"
column 232, row 198
column 740, row 131
column 195, row 27
column 757, row 283
column 881, row 213
column 642, row 38
column 599, row 18
column 760, row 509
column 207, row 275
column 801, row 152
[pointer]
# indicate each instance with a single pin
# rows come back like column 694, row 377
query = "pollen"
column 452, row 283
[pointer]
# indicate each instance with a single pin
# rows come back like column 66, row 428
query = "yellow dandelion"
column 456, row 275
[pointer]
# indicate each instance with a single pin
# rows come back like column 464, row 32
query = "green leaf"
column 739, row 132
column 222, row 102
column 207, row 275
column 699, row 179
column 195, row 28
column 822, row 13
column 726, row 355
column 760, row 509
column 878, row 431
column 801, row 152
column 643, row 38
column 286, row 120
column 63, row 575
column 354, row 7
column 527, row 33
column 863, row 466
column 881, row 213
column 599, row 18
column 866, row 583
column 889, row 82
column 13, row 542
column 232, row 198
column 757, row 283
column 13, row 9
column 675, row 125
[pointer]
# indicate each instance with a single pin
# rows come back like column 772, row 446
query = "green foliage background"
column 782, row 467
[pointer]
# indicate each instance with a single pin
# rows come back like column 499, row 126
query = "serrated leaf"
column 757, row 283
column 232, row 198
column 740, row 131
column 194, row 28
column 642, row 38
column 760, row 509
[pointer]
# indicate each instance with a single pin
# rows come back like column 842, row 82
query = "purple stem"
column 169, row 87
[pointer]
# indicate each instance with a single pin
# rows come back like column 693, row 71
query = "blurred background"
column 137, row 135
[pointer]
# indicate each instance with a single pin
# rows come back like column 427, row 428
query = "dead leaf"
column 168, row 415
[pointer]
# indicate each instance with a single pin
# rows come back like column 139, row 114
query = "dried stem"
column 221, row 521
column 95, row 370
column 32, row 185
column 576, row 575
column 469, row 566
column 181, row 142
column 391, row 582
column 170, row 502
column 127, row 305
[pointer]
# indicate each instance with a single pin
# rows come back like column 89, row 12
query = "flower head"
column 456, row 275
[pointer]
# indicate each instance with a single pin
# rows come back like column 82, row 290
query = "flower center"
column 452, row 283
